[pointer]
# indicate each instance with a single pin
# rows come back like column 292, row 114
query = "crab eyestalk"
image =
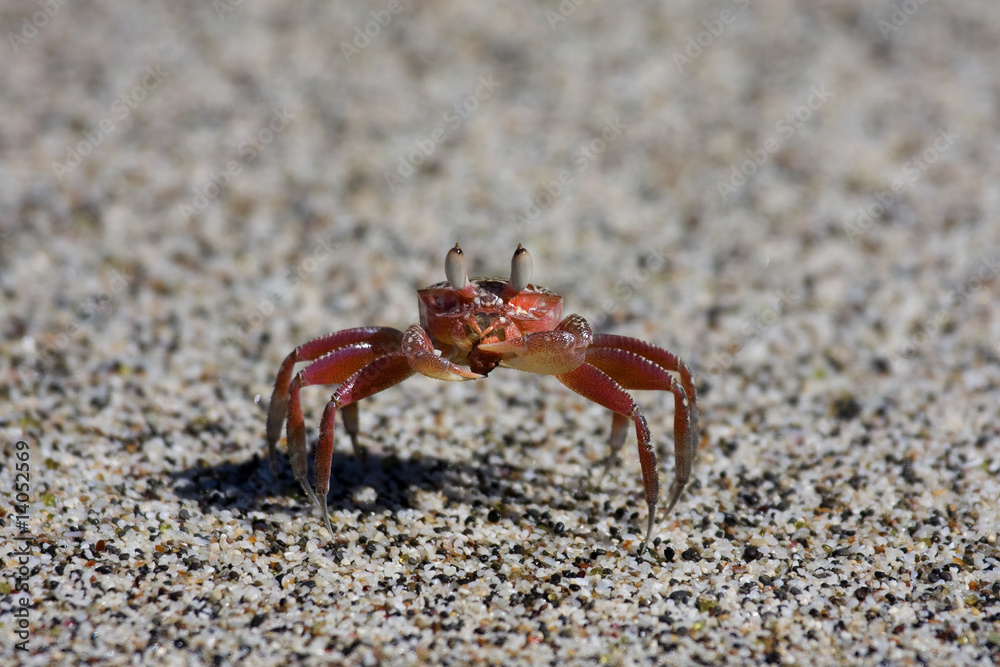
column 520, row 268
column 455, row 269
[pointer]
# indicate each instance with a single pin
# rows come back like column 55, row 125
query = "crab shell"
column 486, row 310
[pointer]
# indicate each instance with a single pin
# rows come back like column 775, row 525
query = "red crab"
column 467, row 328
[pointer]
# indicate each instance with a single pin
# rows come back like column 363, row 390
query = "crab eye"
column 454, row 268
column 520, row 268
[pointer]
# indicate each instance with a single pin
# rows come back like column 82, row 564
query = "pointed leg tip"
column 609, row 463
column 326, row 516
column 650, row 527
column 673, row 497
column 309, row 492
column 360, row 451
column 585, row 484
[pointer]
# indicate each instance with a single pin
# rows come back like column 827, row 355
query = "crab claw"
column 424, row 359
column 549, row 352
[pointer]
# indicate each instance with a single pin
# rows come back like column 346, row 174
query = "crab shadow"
column 380, row 483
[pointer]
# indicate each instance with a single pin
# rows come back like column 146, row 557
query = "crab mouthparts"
column 483, row 362
column 484, row 324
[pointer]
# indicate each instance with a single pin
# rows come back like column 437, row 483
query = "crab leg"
column 333, row 368
column 632, row 371
column 619, row 432
column 385, row 358
column 615, row 363
column 378, row 375
column 382, row 338
column 592, row 383
column 661, row 358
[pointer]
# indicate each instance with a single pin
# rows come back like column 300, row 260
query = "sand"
column 798, row 199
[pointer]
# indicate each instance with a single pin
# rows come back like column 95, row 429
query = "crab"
column 467, row 328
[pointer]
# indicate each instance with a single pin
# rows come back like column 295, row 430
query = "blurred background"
column 798, row 199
